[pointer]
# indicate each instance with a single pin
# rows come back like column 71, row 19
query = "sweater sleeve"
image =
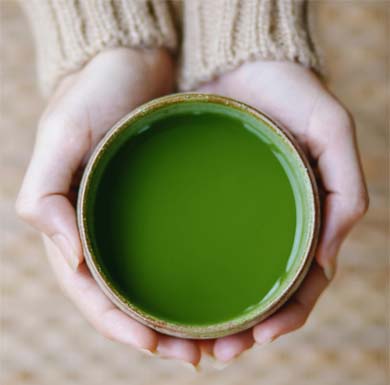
column 68, row 33
column 219, row 35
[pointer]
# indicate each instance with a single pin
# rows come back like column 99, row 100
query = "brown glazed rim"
column 186, row 331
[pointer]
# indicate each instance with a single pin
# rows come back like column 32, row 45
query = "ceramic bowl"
column 310, row 214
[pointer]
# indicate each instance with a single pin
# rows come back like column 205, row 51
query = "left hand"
column 293, row 96
column 80, row 112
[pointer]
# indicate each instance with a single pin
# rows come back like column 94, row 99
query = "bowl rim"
column 241, row 322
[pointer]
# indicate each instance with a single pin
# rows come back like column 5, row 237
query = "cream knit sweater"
column 215, row 35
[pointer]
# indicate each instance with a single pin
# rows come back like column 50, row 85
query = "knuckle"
column 300, row 324
column 344, row 121
column 337, row 121
column 357, row 208
column 301, row 314
column 105, row 333
column 302, row 320
column 26, row 209
column 361, row 205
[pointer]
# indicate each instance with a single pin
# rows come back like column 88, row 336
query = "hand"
column 80, row 112
column 294, row 97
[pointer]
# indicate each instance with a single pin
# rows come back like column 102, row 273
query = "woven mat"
column 44, row 340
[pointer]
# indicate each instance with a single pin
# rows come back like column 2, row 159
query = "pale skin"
column 87, row 103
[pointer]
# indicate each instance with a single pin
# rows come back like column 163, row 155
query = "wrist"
column 152, row 68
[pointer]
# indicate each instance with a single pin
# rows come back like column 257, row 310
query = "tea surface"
column 194, row 219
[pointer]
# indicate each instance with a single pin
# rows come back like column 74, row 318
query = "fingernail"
column 329, row 271
column 66, row 250
column 221, row 365
column 185, row 364
column 228, row 357
column 267, row 341
column 148, row 352
column 264, row 340
column 211, row 362
column 190, row 366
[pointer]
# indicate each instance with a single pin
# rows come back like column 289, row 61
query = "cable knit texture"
column 219, row 35
column 69, row 33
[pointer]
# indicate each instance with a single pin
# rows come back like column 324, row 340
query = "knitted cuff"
column 69, row 33
column 220, row 35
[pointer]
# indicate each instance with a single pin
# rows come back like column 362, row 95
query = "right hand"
column 83, row 108
column 293, row 96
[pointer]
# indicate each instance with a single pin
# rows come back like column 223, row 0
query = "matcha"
column 192, row 215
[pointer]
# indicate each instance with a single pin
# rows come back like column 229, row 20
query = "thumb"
column 43, row 200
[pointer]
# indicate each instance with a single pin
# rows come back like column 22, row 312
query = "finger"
column 294, row 314
column 43, row 199
column 339, row 164
column 96, row 307
column 206, row 347
column 227, row 348
column 180, row 349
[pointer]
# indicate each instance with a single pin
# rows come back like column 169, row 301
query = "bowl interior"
column 282, row 147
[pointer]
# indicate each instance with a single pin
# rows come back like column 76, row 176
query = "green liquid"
column 194, row 219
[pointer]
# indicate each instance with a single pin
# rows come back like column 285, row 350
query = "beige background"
column 44, row 341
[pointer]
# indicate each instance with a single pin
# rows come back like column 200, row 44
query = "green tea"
column 194, row 218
